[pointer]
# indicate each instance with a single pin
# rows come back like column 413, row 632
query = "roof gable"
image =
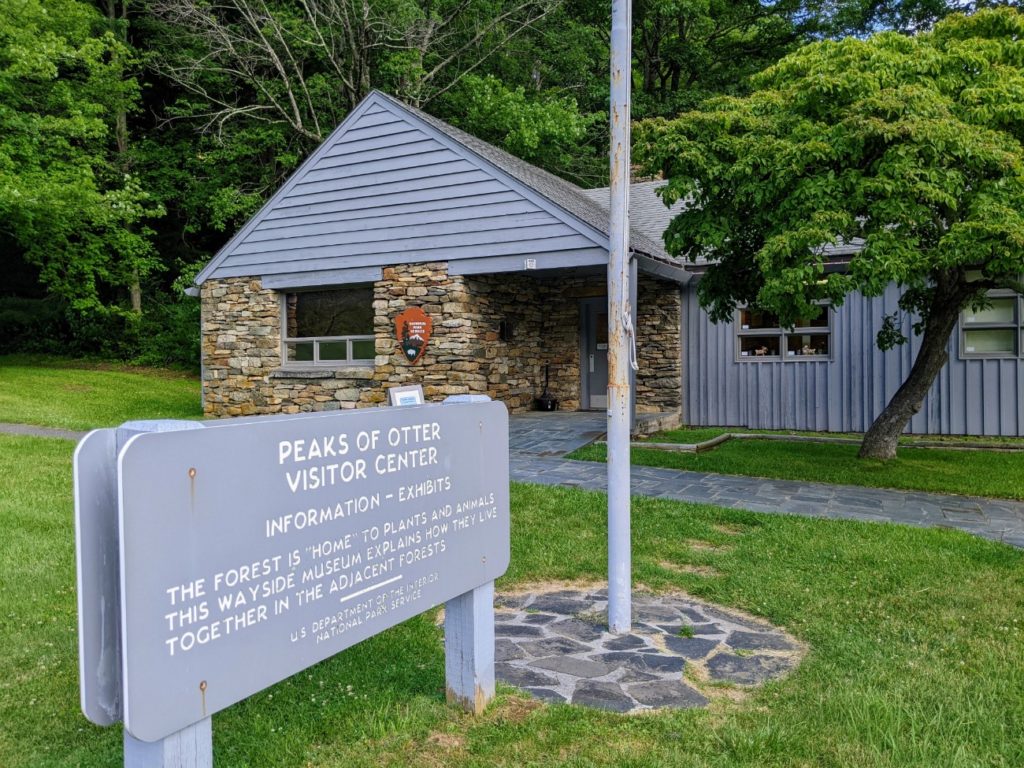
column 393, row 185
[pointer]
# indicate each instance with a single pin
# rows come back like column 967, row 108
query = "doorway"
column 594, row 352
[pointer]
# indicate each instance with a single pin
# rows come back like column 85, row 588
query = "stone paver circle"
column 554, row 644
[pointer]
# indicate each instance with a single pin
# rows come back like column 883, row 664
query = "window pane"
column 817, row 320
column 759, row 346
column 754, row 318
column 991, row 340
column 300, row 352
column 333, row 350
column 807, row 345
column 364, row 350
column 1001, row 311
column 601, row 328
column 338, row 312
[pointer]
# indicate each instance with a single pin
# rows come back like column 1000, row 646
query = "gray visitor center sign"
column 251, row 549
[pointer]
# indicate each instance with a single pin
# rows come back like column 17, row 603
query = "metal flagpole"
column 620, row 326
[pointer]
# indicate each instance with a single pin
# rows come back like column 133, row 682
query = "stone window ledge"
column 320, row 372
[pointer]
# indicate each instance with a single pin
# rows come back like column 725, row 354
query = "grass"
column 691, row 435
column 973, row 473
column 915, row 643
column 79, row 395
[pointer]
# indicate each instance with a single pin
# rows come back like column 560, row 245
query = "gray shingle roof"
column 647, row 212
column 587, row 205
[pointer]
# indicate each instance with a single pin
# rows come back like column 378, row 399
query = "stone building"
column 396, row 210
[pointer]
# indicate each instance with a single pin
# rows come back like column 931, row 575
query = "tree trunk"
column 881, row 439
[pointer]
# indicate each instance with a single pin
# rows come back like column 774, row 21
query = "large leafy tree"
column 67, row 205
column 912, row 144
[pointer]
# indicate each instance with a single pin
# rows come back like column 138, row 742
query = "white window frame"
column 1016, row 325
column 782, row 334
column 316, row 362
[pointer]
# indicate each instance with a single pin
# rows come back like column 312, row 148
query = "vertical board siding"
column 846, row 393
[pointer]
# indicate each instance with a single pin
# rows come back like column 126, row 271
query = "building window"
column 760, row 337
column 994, row 331
column 330, row 327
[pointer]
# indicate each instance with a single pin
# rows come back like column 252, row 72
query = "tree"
column 308, row 63
column 69, row 208
column 912, row 144
column 542, row 130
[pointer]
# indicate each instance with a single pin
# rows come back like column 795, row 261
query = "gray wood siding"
column 385, row 189
column 847, row 392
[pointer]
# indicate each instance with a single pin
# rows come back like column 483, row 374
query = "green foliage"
column 911, row 144
column 543, row 130
column 687, row 50
column 169, row 335
column 75, row 216
column 31, row 325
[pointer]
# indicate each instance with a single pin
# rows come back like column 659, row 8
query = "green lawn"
column 692, row 435
column 973, row 473
column 68, row 394
column 915, row 643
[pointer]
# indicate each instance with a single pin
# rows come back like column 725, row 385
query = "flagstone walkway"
column 534, row 460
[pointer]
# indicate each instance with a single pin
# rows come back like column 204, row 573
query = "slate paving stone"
column 506, row 650
column 758, row 641
column 540, row 618
column 552, row 645
column 645, row 662
column 562, row 605
column 631, row 675
column 655, row 614
column 517, row 630
column 602, row 695
column 690, row 647
column 625, row 643
column 546, row 694
column 571, row 665
column 746, row 670
column 720, row 615
column 522, row 676
column 693, row 613
column 579, row 630
column 667, row 693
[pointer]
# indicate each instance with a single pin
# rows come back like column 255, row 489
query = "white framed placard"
column 408, row 395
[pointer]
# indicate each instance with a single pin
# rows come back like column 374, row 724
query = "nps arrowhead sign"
column 251, row 550
column 412, row 328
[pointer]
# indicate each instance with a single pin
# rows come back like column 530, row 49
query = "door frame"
column 586, row 334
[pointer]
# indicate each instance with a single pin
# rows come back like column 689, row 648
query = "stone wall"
column 545, row 317
column 659, row 346
column 242, row 343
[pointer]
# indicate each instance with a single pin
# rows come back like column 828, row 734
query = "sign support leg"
column 469, row 649
column 190, row 747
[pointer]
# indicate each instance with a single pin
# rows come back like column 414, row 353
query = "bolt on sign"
column 412, row 327
column 250, row 549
